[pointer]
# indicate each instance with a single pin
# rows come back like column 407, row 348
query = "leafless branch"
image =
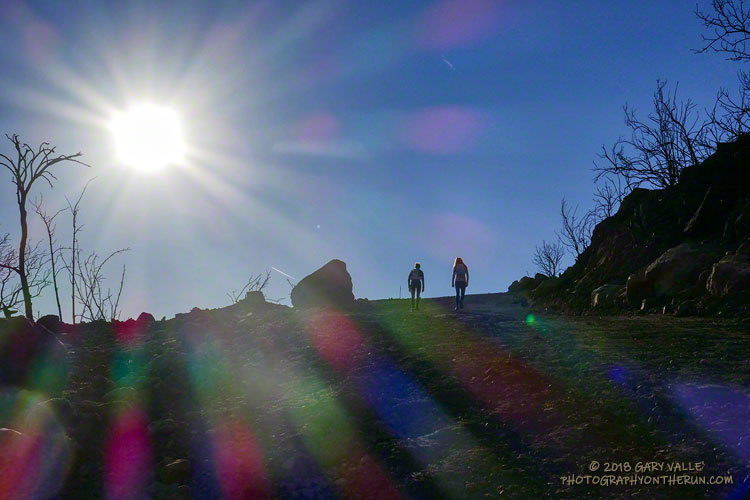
column 729, row 27
column 548, row 257
column 29, row 166
column 576, row 230
column 97, row 303
column 254, row 284
column 674, row 137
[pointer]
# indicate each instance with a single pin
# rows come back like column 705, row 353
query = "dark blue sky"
column 379, row 133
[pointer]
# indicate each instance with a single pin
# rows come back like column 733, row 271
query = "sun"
column 148, row 137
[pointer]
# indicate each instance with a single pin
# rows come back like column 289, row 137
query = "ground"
column 495, row 401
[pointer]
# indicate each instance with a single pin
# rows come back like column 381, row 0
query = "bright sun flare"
column 148, row 137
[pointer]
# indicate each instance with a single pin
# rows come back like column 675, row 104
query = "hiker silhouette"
column 460, row 281
column 416, row 284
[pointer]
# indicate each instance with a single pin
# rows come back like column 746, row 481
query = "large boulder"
column 638, row 288
column 329, row 286
column 678, row 269
column 731, row 274
column 604, row 296
column 51, row 322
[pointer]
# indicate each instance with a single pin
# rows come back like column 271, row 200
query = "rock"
column 638, row 288
column 620, row 298
column 713, row 208
column 164, row 426
column 177, row 471
column 50, row 322
column 686, row 308
column 145, row 321
column 737, row 224
column 677, row 269
column 539, row 277
column 730, row 275
column 254, row 298
column 62, row 409
column 744, row 248
column 702, row 279
column 604, row 296
column 331, row 285
column 547, row 288
column 526, row 284
column 183, row 493
column 24, row 343
column 121, row 394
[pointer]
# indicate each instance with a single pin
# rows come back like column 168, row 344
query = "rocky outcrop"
column 547, row 288
column 329, row 286
column 665, row 244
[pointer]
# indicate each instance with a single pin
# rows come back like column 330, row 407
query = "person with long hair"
column 416, row 283
column 460, row 281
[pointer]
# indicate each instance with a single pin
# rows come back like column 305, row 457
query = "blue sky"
column 379, row 133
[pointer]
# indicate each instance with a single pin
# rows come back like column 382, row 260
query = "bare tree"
column 28, row 167
column 74, row 251
column 674, row 136
column 576, row 230
column 729, row 26
column 96, row 302
column 254, row 284
column 548, row 257
column 608, row 197
column 10, row 289
column 729, row 32
column 50, row 226
column 37, row 274
column 731, row 115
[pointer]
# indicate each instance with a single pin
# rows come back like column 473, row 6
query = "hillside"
column 263, row 401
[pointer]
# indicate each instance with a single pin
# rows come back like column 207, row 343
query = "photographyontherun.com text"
column 645, row 473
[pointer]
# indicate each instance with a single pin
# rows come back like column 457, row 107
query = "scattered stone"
column 686, row 308
column 177, row 471
column 121, row 394
column 164, row 426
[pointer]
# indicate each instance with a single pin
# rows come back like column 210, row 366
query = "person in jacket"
column 460, row 281
column 416, row 283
